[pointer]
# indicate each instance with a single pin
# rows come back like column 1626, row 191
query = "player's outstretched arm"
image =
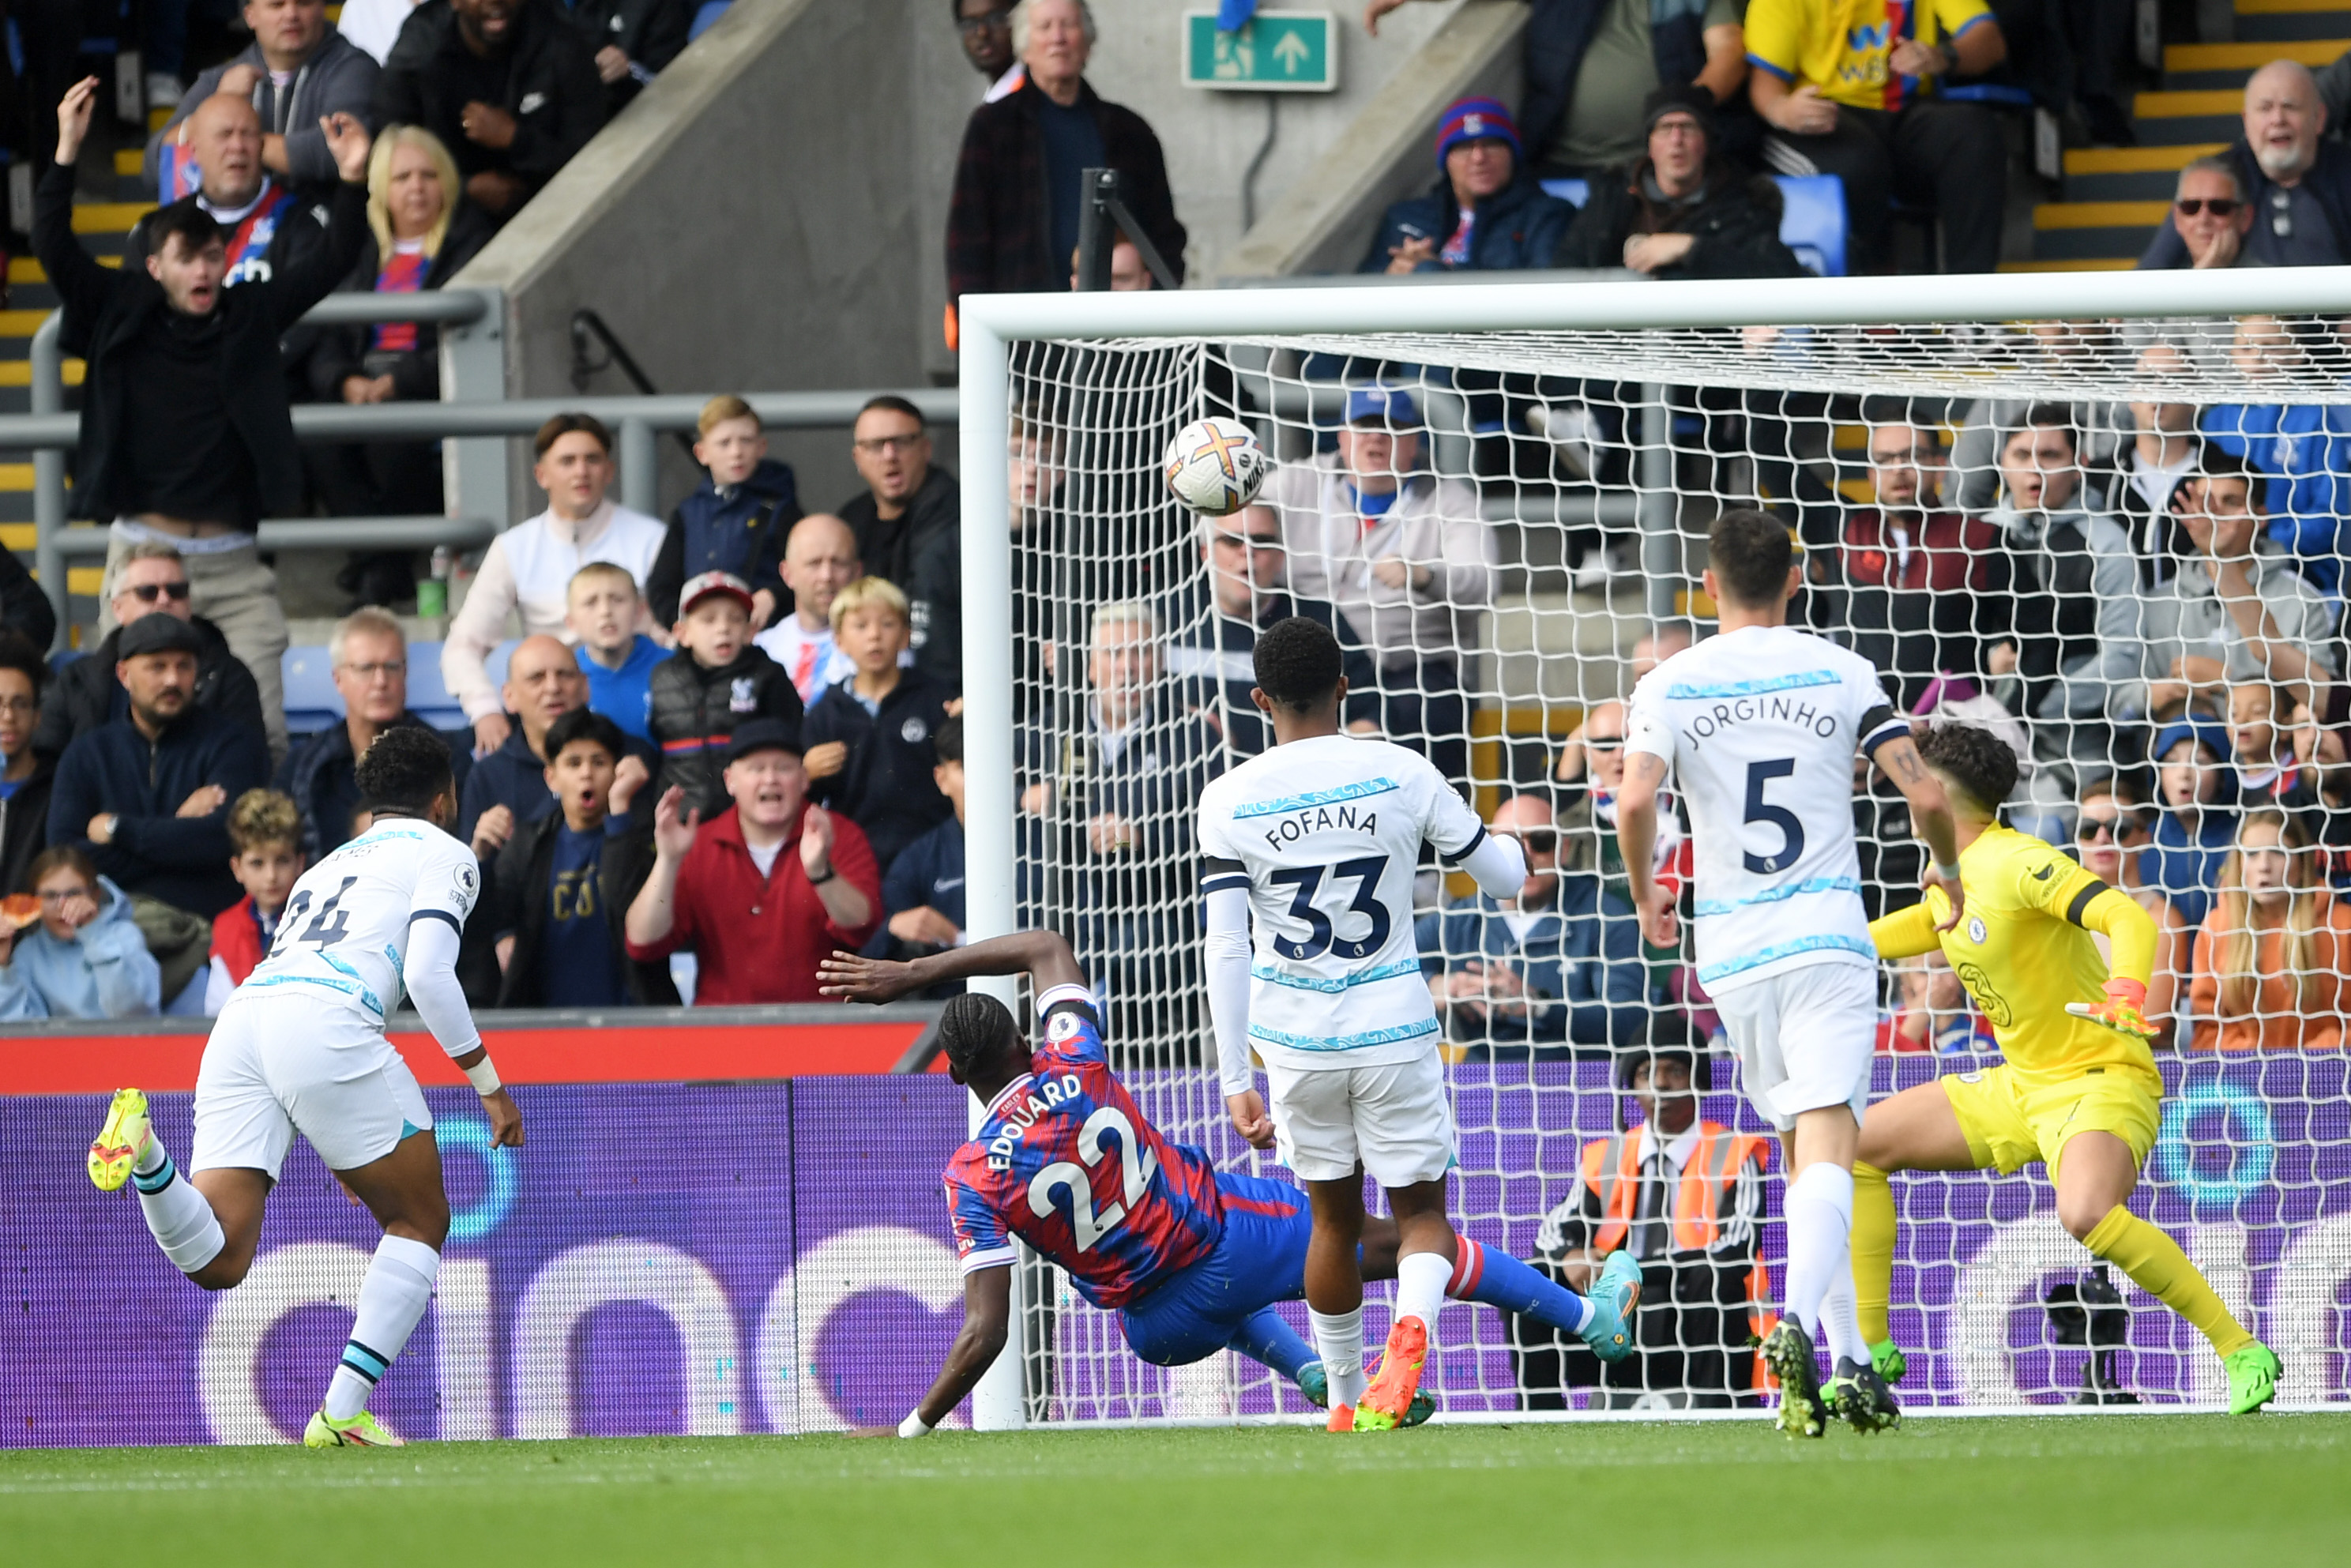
column 1043, row 956
column 1906, row 933
column 1930, row 815
column 1637, row 841
column 1227, row 955
column 987, row 1317
column 440, row 1001
column 2131, row 936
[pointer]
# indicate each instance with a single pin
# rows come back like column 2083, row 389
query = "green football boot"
column 2253, row 1378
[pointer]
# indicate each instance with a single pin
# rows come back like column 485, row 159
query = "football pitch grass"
column 2000, row 1491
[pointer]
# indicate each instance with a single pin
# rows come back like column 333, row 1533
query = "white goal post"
column 1655, row 334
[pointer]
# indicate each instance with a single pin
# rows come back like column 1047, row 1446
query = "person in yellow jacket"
column 2078, row 1089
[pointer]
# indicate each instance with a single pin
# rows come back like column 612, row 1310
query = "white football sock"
column 1421, row 1278
column 1841, row 1320
column 1819, row 1211
column 184, row 1225
column 1339, row 1341
column 392, row 1299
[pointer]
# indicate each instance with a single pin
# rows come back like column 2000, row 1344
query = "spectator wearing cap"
column 1486, row 212
column 1678, row 211
column 717, row 680
column 1865, row 103
column 1013, row 222
column 152, row 579
column 868, row 754
column 368, row 654
column 526, row 573
column 761, row 891
column 149, row 792
column 1403, row 554
column 2235, row 609
column 1590, row 64
column 555, row 903
column 2198, row 824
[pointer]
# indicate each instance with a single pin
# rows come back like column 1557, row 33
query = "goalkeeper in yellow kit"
column 2079, row 1089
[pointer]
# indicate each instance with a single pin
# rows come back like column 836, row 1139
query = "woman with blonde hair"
column 2268, row 966
column 423, row 231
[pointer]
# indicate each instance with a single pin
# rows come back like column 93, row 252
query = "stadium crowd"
column 2145, row 598
column 731, row 736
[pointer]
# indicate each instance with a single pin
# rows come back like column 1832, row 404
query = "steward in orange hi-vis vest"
column 1684, row 1195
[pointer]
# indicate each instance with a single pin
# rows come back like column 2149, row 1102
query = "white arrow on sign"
column 1291, row 52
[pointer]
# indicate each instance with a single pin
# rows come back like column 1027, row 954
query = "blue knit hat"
column 2210, row 733
column 1477, row 120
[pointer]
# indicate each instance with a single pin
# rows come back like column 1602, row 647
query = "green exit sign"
column 1276, row 51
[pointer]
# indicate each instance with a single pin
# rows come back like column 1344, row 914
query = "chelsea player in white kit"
column 1759, row 727
column 1315, row 841
column 301, row 1048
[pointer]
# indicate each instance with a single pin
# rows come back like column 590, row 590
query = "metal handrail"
column 49, row 433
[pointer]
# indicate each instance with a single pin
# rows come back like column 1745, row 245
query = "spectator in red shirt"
column 763, row 890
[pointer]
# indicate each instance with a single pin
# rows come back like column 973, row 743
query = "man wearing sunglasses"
column 2296, row 188
column 2211, row 214
column 150, row 580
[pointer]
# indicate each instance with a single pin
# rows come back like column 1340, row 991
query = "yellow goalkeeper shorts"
column 2010, row 1120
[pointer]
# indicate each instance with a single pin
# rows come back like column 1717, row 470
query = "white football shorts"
column 1805, row 1038
column 291, row 1061
column 1395, row 1121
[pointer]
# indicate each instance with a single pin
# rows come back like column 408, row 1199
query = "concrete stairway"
column 2113, row 196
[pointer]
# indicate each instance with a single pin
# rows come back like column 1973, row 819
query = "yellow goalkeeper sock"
column 2156, row 1263
column 1873, row 1249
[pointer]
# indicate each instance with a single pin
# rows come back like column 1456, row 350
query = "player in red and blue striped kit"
column 1192, row 1260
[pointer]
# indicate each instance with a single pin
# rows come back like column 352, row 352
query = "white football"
column 1215, row 465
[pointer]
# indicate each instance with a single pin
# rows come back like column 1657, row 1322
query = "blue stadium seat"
column 1574, row 193
column 1812, row 222
column 311, row 701
column 428, row 699
column 709, row 11
column 496, row 662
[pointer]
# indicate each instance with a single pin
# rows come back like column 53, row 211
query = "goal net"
column 1507, row 525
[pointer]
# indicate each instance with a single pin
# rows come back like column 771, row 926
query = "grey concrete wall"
column 1210, row 138
column 771, row 214
column 745, row 222
column 1386, row 151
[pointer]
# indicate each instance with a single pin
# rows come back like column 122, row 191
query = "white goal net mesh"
column 1506, row 529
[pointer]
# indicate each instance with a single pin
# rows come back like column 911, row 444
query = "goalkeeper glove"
column 2124, row 1010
